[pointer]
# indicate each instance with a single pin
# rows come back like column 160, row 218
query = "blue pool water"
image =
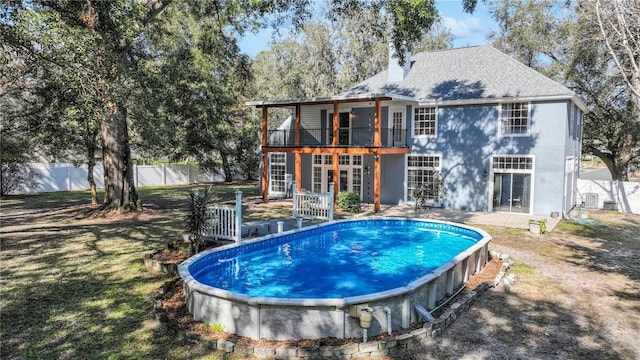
column 343, row 259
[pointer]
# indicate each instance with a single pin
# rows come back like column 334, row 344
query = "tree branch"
column 603, row 31
column 155, row 7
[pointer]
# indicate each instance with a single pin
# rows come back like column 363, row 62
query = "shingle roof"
column 478, row 72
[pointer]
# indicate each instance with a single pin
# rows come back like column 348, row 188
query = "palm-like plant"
column 199, row 219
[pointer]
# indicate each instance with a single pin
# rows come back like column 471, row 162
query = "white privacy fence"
column 66, row 176
column 610, row 195
column 226, row 221
column 313, row 205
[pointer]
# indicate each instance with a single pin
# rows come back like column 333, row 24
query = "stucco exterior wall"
column 392, row 179
column 548, row 135
column 467, row 139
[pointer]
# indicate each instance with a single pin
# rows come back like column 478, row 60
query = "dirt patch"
column 489, row 273
column 167, row 256
column 570, row 297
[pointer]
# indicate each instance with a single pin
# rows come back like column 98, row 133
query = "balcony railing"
column 348, row 137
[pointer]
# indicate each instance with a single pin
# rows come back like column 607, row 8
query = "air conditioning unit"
column 609, row 205
column 590, row 200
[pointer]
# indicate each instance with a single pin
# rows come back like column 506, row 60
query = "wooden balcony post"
column 265, row 116
column 336, row 123
column 298, row 171
column 377, row 123
column 265, row 180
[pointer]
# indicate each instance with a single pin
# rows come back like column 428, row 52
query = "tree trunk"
column 91, row 142
column 120, row 192
column 226, row 167
column 616, row 163
column 92, row 183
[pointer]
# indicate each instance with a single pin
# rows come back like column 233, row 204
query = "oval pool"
column 305, row 284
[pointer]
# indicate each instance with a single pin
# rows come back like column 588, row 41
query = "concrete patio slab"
column 512, row 220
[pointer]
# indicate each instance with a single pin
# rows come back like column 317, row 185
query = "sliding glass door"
column 512, row 192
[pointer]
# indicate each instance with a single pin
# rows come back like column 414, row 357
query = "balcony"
column 347, row 137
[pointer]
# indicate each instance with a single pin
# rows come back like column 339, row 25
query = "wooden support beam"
column 298, row 171
column 297, row 125
column 264, row 124
column 265, row 179
column 377, row 123
column 319, row 102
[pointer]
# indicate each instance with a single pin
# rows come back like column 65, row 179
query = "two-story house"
column 503, row 136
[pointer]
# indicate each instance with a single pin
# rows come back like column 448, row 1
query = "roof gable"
column 479, row 72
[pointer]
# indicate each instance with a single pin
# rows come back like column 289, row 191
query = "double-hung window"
column 514, row 119
column 424, row 121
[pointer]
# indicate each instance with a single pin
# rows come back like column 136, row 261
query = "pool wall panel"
column 236, row 317
column 282, row 323
column 296, row 319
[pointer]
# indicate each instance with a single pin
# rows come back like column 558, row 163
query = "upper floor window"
column 514, row 119
column 424, row 121
column 397, row 118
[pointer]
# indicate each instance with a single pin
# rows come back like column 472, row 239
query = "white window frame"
column 512, row 171
column 435, row 120
column 407, row 190
column 272, row 168
column 501, row 120
column 403, row 124
column 348, row 162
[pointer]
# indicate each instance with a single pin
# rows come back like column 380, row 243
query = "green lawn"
column 76, row 287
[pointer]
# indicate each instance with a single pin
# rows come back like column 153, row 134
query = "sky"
column 467, row 29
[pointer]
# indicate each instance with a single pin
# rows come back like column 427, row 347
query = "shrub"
column 199, row 219
column 15, row 152
column 426, row 195
column 349, row 201
column 15, row 175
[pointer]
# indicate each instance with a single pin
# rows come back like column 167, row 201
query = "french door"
column 344, row 130
column 349, row 176
column 346, row 180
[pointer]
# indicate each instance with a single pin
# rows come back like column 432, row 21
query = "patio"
column 510, row 220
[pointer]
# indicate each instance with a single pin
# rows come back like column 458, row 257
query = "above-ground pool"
column 315, row 282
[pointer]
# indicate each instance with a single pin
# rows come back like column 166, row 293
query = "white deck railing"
column 226, row 221
column 313, row 205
